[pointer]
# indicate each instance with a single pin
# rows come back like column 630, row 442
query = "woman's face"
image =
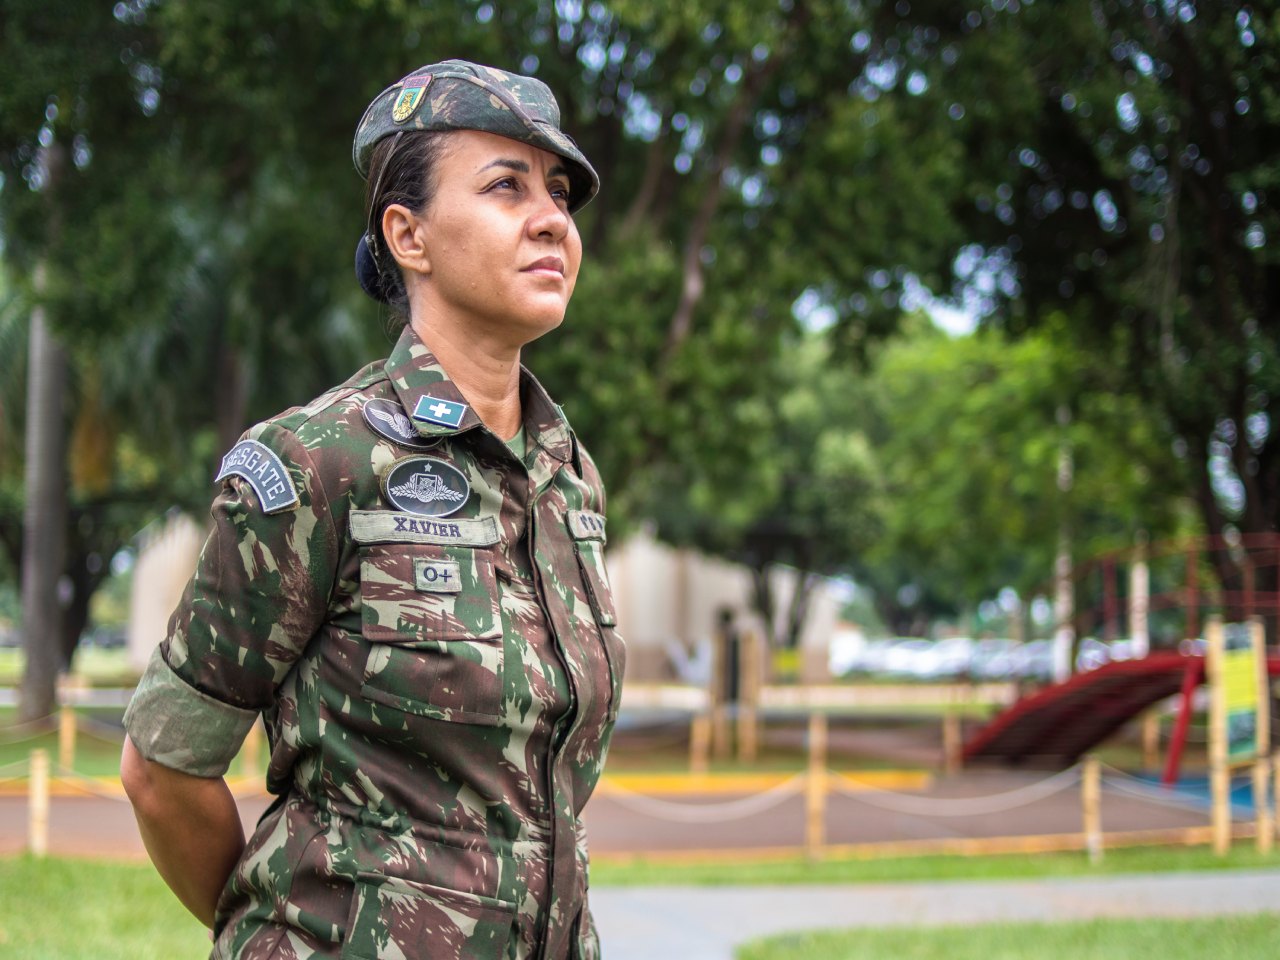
column 500, row 250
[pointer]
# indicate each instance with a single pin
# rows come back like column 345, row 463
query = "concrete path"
column 706, row 923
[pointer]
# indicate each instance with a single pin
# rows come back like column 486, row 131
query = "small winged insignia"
column 395, row 421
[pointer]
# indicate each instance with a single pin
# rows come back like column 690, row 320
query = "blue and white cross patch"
column 444, row 412
column 266, row 473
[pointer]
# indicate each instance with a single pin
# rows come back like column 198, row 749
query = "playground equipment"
column 1060, row 724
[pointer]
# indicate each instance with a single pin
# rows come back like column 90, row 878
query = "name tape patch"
column 585, row 525
column 386, row 526
column 266, row 473
column 437, row 576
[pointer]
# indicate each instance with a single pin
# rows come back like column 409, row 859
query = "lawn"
column 81, row 910
column 1240, row 938
column 60, row 909
column 637, row 871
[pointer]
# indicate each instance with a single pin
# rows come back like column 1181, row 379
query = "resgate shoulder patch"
column 426, row 486
column 388, row 419
column 266, row 473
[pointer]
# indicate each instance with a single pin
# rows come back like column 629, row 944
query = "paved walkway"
column 707, row 923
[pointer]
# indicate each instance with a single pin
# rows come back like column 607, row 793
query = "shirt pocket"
column 595, row 579
column 430, row 614
column 394, row 918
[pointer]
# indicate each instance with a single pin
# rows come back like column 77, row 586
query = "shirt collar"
column 416, row 374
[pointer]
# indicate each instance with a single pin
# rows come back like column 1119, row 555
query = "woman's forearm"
column 190, row 826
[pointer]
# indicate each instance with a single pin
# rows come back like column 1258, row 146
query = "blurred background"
column 916, row 341
column 907, row 301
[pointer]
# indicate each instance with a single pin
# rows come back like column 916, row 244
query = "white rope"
column 700, row 812
column 96, row 728
column 959, row 806
column 14, row 734
column 88, row 784
column 1122, row 782
column 16, row 765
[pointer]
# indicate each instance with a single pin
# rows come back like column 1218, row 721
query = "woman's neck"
column 487, row 373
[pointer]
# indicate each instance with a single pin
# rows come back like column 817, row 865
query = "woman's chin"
column 537, row 323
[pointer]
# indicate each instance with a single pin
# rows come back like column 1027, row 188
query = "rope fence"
column 16, row 733
column 1125, row 783
column 1003, row 802
column 704, row 812
column 816, row 785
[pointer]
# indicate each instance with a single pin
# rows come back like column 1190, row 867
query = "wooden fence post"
column 1275, row 790
column 38, row 804
column 815, row 787
column 699, row 743
column 952, row 741
column 1151, row 739
column 1091, row 797
column 720, row 731
column 750, row 673
column 1266, row 819
column 66, row 737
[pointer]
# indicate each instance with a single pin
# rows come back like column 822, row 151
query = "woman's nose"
column 550, row 219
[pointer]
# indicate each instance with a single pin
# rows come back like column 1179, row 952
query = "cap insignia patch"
column 410, row 97
column 446, row 413
column 425, row 486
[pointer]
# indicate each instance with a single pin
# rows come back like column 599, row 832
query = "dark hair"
column 401, row 170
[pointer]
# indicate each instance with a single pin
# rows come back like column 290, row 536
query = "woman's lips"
column 546, row 265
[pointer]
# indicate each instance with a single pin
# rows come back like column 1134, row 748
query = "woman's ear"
column 404, row 232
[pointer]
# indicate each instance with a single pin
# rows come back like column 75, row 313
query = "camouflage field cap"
column 457, row 95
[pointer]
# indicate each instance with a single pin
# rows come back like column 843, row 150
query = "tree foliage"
column 1121, row 170
column 970, row 433
column 1095, row 174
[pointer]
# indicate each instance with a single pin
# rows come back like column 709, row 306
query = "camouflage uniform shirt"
column 438, row 690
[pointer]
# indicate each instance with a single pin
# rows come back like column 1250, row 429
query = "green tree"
column 811, row 498
column 970, row 430
column 1119, row 168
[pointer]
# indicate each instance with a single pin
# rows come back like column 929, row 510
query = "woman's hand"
column 190, row 826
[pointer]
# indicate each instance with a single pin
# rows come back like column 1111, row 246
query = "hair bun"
column 367, row 271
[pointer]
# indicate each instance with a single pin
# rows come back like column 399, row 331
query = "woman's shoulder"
column 316, row 419
column 328, row 438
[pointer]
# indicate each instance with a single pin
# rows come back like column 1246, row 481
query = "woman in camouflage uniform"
column 406, row 579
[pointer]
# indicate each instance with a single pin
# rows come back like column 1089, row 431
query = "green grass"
column 641, row 872
column 58, row 909
column 1240, row 938
column 81, row 910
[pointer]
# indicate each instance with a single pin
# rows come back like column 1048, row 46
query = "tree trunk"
column 801, row 604
column 45, row 518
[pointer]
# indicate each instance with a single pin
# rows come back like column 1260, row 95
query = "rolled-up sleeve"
column 259, row 594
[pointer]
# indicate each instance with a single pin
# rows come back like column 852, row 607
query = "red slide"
column 1054, row 727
